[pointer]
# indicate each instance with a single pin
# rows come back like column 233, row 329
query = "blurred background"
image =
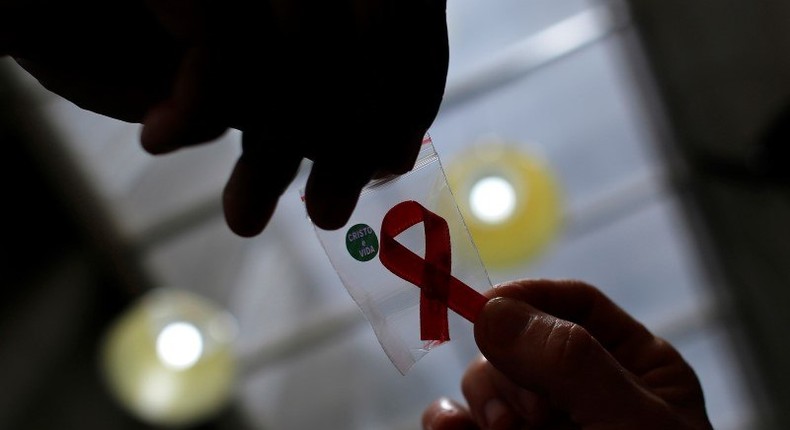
column 643, row 146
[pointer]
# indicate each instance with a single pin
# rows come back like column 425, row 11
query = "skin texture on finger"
column 629, row 342
column 262, row 173
column 562, row 361
column 446, row 414
column 580, row 303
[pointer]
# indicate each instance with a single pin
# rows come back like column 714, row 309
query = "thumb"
column 559, row 360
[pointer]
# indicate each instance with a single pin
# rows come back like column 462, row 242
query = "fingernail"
column 502, row 321
column 494, row 411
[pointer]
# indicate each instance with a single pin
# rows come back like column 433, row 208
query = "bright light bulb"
column 179, row 345
column 492, row 199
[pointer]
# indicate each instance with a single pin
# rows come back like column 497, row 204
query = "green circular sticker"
column 362, row 243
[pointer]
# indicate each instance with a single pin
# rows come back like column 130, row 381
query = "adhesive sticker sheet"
column 408, row 261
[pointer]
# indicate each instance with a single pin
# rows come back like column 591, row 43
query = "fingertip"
column 331, row 194
column 245, row 230
column 156, row 135
column 246, row 214
column 253, row 190
column 540, row 352
column 166, row 128
column 242, row 220
column 498, row 415
column 405, row 156
column 195, row 110
column 330, row 212
column 447, row 414
column 501, row 323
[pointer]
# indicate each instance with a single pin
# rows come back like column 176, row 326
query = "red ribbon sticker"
column 438, row 288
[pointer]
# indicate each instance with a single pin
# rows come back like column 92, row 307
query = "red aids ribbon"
column 438, row 288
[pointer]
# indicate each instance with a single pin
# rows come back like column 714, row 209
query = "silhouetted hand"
column 351, row 84
column 560, row 355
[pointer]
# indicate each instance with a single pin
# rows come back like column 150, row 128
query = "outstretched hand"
column 560, row 355
column 351, row 84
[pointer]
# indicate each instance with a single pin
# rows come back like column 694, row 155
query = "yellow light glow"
column 169, row 358
column 509, row 199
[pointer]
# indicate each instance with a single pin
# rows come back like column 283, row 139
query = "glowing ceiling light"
column 510, row 201
column 179, row 345
column 169, row 358
column 492, row 199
